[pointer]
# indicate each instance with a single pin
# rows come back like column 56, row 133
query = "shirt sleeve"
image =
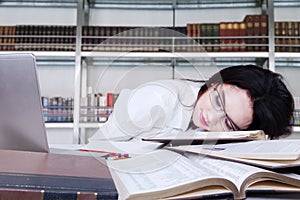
column 142, row 112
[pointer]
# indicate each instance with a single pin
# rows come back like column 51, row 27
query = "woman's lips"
column 202, row 119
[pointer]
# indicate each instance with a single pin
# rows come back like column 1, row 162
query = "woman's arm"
column 144, row 111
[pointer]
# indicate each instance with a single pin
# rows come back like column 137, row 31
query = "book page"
column 162, row 170
column 270, row 164
column 235, row 172
column 200, row 134
column 258, row 150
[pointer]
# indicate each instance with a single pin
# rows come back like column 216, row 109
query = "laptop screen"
column 22, row 124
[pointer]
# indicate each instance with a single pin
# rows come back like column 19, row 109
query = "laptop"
column 22, row 124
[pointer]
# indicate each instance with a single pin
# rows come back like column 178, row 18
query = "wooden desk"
column 32, row 175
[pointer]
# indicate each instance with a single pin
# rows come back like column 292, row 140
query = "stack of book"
column 97, row 107
column 232, row 170
column 58, row 109
column 287, row 36
column 218, row 165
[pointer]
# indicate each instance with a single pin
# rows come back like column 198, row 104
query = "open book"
column 177, row 137
column 170, row 175
column 264, row 153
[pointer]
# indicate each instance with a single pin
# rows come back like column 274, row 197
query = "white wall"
column 54, row 16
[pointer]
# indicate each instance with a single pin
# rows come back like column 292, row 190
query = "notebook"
column 22, row 124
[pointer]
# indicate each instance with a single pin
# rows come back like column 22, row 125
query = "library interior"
column 149, row 99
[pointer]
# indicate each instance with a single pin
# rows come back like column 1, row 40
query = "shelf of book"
column 224, row 39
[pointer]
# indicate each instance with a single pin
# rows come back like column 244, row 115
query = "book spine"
column 84, row 38
column 242, row 34
column 1, row 37
column 102, row 112
column 235, row 33
column 205, row 34
column 216, row 35
column 45, row 105
column 83, row 109
column 256, row 32
column 283, row 34
column 230, row 32
column 249, row 21
column 277, row 27
column 297, row 39
column 11, row 39
column 290, row 35
column 5, row 39
column 264, row 32
column 223, row 33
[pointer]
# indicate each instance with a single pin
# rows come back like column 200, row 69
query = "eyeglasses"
column 219, row 105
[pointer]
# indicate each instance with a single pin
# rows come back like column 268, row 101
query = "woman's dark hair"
column 273, row 104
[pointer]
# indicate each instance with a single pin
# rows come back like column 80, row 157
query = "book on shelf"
column 296, row 40
column 165, row 174
column 210, row 33
column 251, row 34
column 232, row 36
column 256, row 32
column 223, row 34
column 45, row 38
column 242, row 34
column 194, row 33
column 264, row 41
column 177, row 137
column 286, row 36
column 271, row 154
column 57, row 109
column 7, row 38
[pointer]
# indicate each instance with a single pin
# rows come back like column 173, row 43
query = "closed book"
column 1, row 37
column 283, row 38
column 256, row 32
column 296, row 34
column 277, row 34
column 216, row 36
column 242, row 34
column 11, row 38
column 84, row 41
column 209, row 34
column 54, row 176
column 235, row 33
column 194, row 40
column 249, row 21
column 223, row 35
column 264, row 32
column 290, row 34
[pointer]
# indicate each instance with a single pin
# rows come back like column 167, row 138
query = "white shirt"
column 151, row 109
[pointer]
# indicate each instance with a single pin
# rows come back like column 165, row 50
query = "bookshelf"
column 87, row 59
